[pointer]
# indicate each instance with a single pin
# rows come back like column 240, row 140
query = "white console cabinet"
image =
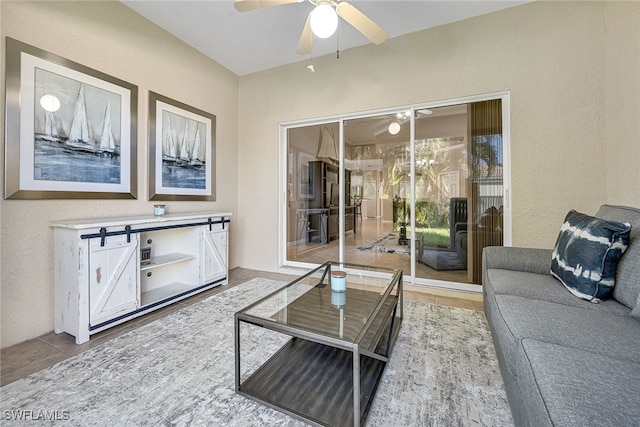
column 110, row 270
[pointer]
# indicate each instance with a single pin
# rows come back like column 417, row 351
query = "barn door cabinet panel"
column 113, row 288
column 110, row 270
column 215, row 254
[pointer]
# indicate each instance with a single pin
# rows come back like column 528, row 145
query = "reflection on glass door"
column 458, row 189
column 378, row 149
column 432, row 219
column 486, row 183
column 313, row 193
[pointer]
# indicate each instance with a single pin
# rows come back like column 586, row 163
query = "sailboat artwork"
column 169, row 151
column 183, row 152
column 76, row 131
column 197, row 153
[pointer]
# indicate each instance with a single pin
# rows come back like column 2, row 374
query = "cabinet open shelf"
column 167, row 259
column 99, row 277
column 167, row 291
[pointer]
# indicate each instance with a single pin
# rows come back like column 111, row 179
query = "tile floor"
column 28, row 357
column 368, row 230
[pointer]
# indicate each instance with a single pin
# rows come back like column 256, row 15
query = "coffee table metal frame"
column 370, row 349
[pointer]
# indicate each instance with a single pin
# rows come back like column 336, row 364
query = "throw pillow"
column 586, row 255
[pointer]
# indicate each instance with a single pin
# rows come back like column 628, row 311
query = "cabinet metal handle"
column 149, row 274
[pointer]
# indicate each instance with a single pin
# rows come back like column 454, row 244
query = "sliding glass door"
column 485, row 201
column 441, row 176
column 313, row 193
column 377, row 149
column 459, row 188
column 419, row 188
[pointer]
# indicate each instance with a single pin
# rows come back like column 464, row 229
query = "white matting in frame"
column 181, row 151
column 70, row 130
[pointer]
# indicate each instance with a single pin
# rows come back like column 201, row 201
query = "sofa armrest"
column 518, row 259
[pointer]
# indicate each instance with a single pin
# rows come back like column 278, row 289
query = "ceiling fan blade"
column 361, row 22
column 245, row 5
column 306, row 39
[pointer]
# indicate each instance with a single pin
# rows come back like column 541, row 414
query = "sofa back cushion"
column 627, row 286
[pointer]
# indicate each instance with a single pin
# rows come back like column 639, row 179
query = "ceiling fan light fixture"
column 324, row 20
column 394, row 128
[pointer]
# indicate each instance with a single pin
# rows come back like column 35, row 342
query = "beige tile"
column 26, row 370
column 72, row 349
column 240, row 273
column 58, row 340
column 25, row 354
column 459, row 302
column 419, row 297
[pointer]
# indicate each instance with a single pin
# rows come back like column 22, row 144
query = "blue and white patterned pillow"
column 587, row 253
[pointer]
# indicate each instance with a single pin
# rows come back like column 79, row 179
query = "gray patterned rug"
column 179, row 371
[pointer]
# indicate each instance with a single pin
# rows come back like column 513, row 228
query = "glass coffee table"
column 333, row 347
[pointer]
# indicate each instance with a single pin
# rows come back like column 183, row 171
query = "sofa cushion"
column 627, row 286
column 516, row 318
column 636, row 310
column 586, row 255
column 565, row 386
column 542, row 287
column 532, row 260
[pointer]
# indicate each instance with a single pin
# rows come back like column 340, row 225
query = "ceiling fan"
column 323, row 20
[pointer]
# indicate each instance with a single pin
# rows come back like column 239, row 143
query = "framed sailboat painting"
column 70, row 130
column 181, row 151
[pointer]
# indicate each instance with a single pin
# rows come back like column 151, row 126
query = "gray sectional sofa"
column 566, row 361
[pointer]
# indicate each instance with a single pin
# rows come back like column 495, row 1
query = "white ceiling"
column 247, row 42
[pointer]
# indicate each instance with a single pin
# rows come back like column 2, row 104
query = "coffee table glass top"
column 309, row 304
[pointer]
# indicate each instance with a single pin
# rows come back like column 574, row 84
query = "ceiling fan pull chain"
column 338, row 42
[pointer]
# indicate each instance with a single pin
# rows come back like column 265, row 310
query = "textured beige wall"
column 109, row 37
column 622, row 102
column 553, row 57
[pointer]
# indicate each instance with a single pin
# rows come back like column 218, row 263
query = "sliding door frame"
column 286, row 265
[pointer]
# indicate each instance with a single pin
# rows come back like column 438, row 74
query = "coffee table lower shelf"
column 314, row 382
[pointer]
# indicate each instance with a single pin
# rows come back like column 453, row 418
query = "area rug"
column 179, row 370
column 442, row 260
column 386, row 244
